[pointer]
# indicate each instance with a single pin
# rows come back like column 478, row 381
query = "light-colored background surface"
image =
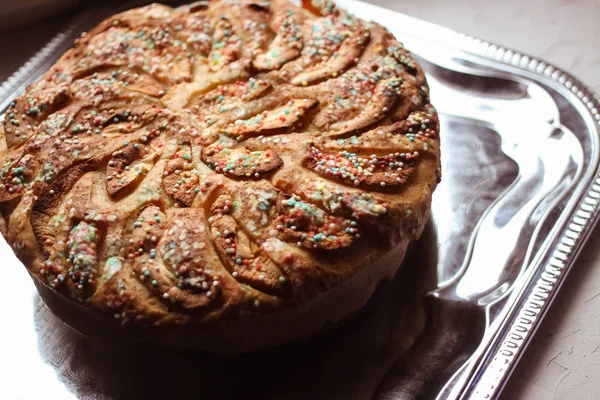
column 563, row 361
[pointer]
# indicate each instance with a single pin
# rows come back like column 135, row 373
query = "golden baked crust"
column 218, row 162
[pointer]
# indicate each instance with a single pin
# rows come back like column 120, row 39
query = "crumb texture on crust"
column 218, row 160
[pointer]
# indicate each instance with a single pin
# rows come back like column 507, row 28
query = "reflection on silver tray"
column 518, row 198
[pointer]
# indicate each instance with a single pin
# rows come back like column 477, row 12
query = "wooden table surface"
column 563, row 361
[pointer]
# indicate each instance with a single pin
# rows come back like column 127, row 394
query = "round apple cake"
column 227, row 175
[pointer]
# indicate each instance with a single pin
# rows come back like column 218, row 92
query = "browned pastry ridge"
column 226, row 175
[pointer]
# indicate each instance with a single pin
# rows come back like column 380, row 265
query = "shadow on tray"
column 396, row 347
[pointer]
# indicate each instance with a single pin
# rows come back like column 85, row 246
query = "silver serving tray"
column 518, row 199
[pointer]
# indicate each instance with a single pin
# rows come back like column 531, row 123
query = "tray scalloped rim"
column 489, row 379
column 528, row 315
column 18, row 81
